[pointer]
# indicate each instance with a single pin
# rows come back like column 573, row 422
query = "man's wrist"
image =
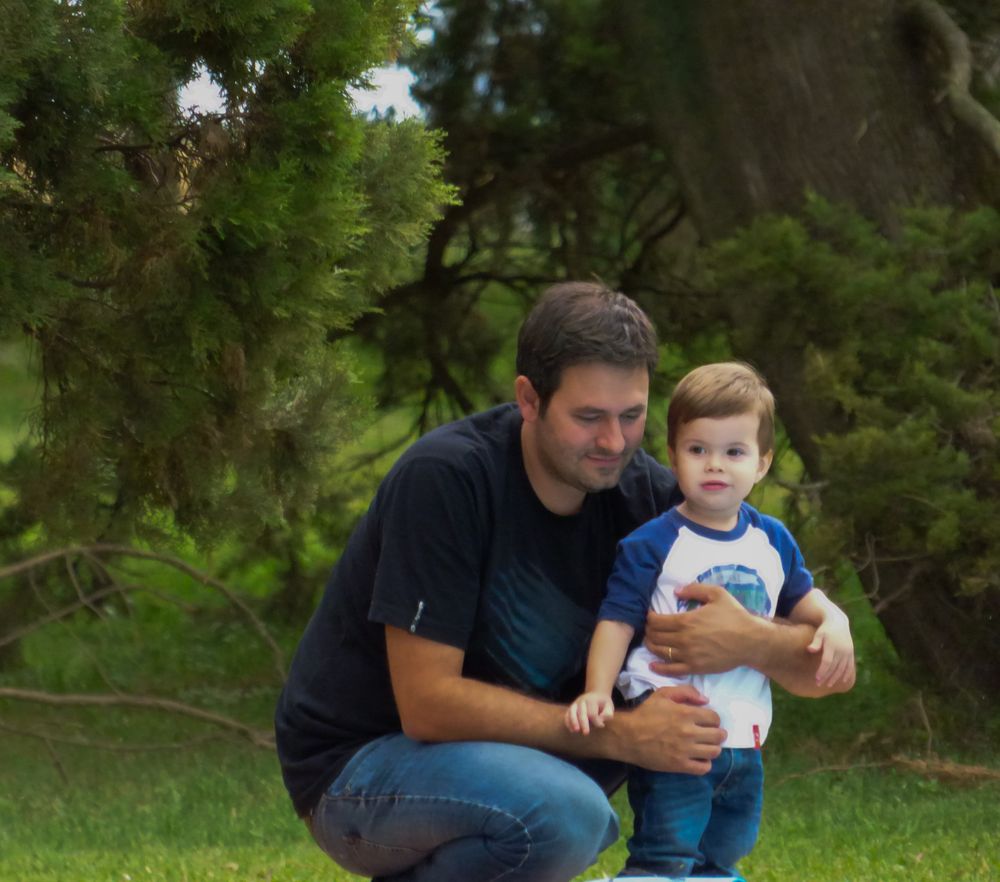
column 609, row 742
column 757, row 638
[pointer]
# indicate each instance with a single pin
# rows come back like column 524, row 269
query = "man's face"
column 587, row 434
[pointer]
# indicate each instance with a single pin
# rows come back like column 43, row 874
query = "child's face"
column 717, row 463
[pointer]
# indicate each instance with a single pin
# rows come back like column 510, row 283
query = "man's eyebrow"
column 593, row 409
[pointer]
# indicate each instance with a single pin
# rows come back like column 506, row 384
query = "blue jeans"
column 476, row 811
column 696, row 825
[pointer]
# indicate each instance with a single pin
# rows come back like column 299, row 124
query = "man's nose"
column 611, row 439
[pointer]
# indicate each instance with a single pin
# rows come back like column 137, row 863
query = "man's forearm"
column 437, row 703
column 778, row 649
column 663, row 734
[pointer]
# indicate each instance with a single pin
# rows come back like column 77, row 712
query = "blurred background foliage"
column 218, row 328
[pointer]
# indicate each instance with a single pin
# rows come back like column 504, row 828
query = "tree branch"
column 66, row 611
column 59, row 738
column 257, row 737
column 126, row 551
column 934, row 18
column 959, row 773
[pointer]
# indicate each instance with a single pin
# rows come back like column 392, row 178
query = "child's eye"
column 735, row 452
column 696, row 449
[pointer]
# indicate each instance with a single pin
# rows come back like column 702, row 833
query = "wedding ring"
column 670, row 653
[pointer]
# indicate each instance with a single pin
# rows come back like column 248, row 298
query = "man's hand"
column 672, row 732
column 717, row 636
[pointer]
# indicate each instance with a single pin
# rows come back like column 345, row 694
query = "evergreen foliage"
column 902, row 340
column 179, row 272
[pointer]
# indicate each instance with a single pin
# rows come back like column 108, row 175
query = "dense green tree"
column 586, row 137
column 179, row 276
column 177, row 272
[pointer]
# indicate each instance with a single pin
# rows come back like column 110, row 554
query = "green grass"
column 219, row 812
column 877, row 825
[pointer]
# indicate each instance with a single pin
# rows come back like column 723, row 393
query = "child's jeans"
column 696, row 825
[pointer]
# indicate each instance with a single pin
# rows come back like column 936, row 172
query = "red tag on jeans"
column 756, row 737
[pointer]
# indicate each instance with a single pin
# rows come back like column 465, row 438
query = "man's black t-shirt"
column 456, row 547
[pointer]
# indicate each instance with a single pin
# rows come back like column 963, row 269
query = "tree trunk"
column 762, row 101
column 950, row 640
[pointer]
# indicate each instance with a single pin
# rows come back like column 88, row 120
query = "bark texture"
column 762, row 100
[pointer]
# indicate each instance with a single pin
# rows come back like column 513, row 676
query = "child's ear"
column 763, row 465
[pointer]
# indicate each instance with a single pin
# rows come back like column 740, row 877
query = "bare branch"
column 92, row 284
column 836, row 767
column 92, row 551
column 55, row 615
column 257, row 737
column 47, row 737
column 798, row 486
column 56, row 761
column 959, row 773
column 80, row 593
column 934, row 18
column 919, row 701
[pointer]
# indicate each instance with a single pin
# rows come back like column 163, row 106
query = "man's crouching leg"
column 407, row 811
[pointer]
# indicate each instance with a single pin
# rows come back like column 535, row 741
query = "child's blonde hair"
column 722, row 389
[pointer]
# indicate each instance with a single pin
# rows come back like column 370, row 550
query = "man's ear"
column 527, row 399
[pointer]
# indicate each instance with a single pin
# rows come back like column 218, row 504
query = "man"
column 421, row 729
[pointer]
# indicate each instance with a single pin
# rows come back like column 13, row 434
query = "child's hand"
column 591, row 707
column 833, row 639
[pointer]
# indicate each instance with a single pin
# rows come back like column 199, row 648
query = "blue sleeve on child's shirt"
column 633, row 577
column 798, row 579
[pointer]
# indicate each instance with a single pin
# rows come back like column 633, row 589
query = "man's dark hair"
column 579, row 323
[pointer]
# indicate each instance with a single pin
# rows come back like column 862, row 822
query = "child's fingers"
column 571, row 721
column 825, row 666
column 841, row 669
column 840, row 675
column 581, row 723
column 601, row 712
column 832, row 675
column 849, row 671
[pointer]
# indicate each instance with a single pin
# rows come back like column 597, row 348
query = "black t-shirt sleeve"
column 429, row 566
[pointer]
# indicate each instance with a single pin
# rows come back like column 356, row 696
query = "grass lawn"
column 218, row 812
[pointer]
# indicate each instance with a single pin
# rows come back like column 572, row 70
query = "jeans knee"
column 569, row 828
